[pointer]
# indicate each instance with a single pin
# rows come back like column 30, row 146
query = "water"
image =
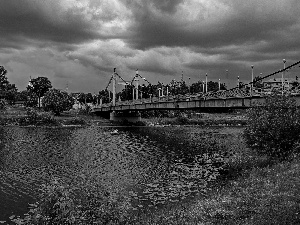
column 153, row 166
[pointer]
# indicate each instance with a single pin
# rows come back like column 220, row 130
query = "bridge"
column 234, row 98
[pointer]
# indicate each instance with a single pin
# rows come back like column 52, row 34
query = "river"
column 153, row 166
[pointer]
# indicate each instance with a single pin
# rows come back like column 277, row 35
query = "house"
column 276, row 83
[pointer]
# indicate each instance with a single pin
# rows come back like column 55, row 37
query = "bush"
column 57, row 101
column 75, row 121
column 2, row 104
column 60, row 203
column 35, row 118
column 274, row 127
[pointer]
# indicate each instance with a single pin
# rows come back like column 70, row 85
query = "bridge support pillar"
column 131, row 117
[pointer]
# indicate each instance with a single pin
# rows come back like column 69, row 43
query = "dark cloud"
column 21, row 20
column 242, row 23
column 82, row 40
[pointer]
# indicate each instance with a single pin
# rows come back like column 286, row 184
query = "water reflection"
column 151, row 165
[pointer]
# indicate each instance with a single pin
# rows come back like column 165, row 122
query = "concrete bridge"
column 235, row 98
column 129, row 110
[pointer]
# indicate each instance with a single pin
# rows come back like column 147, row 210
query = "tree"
column 39, row 86
column 214, row 86
column 7, row 90
column 257, row 82
column 57, row 101
column 274, row 127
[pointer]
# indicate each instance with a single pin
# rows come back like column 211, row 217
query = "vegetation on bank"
column 194, row 118
column 22, row 116
column 259, row 183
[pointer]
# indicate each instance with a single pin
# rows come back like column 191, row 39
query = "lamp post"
column 137, row 85
column 114, row 88
column 189, row 85
column 252, row 80
column 284, row 61
column 219, row 84
column 238, row 82
column 206, row 83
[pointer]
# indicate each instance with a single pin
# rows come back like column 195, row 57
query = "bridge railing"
column 223, row 94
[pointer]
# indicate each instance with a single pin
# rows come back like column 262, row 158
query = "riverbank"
column 252, row 189
column 201, row 119
column 22, row 116
column 27, row 117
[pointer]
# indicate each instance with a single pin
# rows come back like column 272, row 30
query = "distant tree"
column 57, row 101
column 11, row 93
column 7, row 90
column 22, row 96
column 197, row 87
column 89, row 98
column 31, row 99
column 105, row 95
column 39, row 86
column 241, row 85
column 214, row 86
column 257, row 82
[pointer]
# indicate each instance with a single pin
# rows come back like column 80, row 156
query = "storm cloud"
column 79, row 42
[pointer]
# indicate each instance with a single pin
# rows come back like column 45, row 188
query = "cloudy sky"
column 77, row 43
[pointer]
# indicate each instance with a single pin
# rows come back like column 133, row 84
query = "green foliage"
column 57, row 101
column 2, row 104
column 59, row 204
column 35, row 118
column 39, row 86
column 56, row 206
column 274, row 127
column 31, row 99
column 7, row 90
column 75, row 121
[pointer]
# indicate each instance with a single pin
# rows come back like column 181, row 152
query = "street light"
column 159, row 92
column 252, row 80
column 284, row 61
column 219, row 84
column 206, row 83
column 189, row 85
column 238, row 81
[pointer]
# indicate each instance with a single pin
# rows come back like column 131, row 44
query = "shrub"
column 60, row 203
column 274, row 127
column 2, row 104
column 57, row 101
column 35, row 118
column 56, row 206
column 75, row 121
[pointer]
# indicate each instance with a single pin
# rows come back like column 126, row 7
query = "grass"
column 27, row 116
column 205, row 119
column 254, row 190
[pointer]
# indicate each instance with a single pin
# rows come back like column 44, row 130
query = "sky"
column 77, row 43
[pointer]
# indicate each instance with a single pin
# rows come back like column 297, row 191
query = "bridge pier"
column 129, row 116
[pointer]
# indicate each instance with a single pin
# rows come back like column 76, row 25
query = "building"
column 276, row 83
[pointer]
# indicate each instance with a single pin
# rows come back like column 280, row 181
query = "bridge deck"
column 159, row 104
